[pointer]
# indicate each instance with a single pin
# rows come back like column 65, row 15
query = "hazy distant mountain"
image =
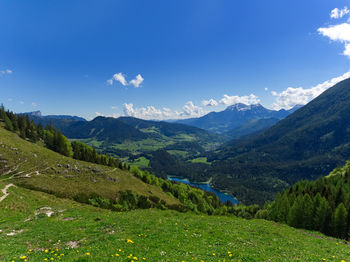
column 39, row 114
column 251, row 127
column 34, row 113
column 234, row 116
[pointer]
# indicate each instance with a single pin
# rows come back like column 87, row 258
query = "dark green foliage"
column 6, row 119
column 87, row 153
column 55, row 140
column 321, row 205
column 340, row 221
column 305, row 145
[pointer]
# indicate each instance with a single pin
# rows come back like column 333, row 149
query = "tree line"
column 192, row 199
column 54, row 139
column 322, row 205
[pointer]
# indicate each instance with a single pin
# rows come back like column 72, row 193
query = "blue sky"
column 168, row 59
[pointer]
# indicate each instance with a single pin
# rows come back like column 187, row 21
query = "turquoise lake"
column 206, row 187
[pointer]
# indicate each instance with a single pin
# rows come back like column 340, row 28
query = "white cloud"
column 266, row 89
column 6, row 72
column 210, row 102
column 114, row 107
column 340, row 33
column 231, row 100
column 120, row 77
column 34, row 104
column 21, row 102
column 191, row 110
column 339, row 13
column 347, row 50
column 137, row 81
column 9, row 99
column 291, row 96
column 152, row 113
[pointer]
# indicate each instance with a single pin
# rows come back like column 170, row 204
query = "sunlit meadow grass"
column 76, row 232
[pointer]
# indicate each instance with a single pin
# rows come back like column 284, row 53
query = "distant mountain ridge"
column 234, row 116
column 39, row 114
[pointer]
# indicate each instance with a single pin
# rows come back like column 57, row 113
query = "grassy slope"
column 47, row 171
column 156, row 235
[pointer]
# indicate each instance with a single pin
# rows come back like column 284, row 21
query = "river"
column 206, row 187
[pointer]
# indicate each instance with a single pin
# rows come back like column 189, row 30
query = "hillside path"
column 4, row 191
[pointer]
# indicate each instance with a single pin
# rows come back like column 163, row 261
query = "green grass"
column 141, row 162
column 34, row 166
column 200, row 160
column 156, row 235
column 178, row 153
column 145, row 145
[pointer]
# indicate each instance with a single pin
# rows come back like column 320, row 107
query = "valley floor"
column 35, row 226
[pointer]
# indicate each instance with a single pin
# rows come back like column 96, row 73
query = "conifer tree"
column 340, row 221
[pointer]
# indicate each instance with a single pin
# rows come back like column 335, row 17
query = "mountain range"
column 309, row 142
column 235, row 116
column 305, row 145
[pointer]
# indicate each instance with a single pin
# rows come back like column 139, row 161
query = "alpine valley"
column 175, row 131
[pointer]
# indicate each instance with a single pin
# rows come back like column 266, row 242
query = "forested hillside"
column 307, row 144
column 322, row 205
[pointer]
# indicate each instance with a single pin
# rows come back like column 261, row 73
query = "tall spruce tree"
column 340, row 221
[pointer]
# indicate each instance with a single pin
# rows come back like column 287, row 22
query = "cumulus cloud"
column 191, row 110
column 231, row 100
column 152, row 113
column 339, row 13
column 291, row 96
column 149, row 112
column 21, row 102
column 121, row 78
column 6, row 72
column 137, row 81
column 210, row 102
column 34, row 104
column 339, row 32
column 114, row 107
column 347, row 50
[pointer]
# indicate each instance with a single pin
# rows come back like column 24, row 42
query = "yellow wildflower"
column 87, row 253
